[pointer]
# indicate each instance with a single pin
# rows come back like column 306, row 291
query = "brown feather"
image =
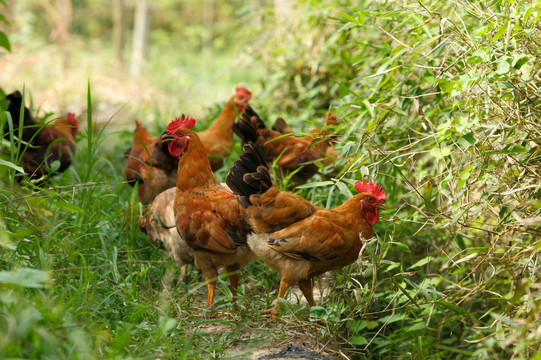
column 207, row 214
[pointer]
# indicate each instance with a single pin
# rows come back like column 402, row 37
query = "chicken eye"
column 180, row 133
column 370, row 200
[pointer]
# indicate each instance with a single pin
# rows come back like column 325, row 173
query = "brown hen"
column 218, row 138
column 150, row 165
column 207, row 214
column 296, row 155
column 310, row 240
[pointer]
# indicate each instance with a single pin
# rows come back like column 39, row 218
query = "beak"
column 167, row 138
column 382, row 206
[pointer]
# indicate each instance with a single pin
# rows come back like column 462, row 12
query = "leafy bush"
column 440, row 103
column 437, row 101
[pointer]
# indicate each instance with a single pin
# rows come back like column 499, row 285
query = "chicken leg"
column 307, row 286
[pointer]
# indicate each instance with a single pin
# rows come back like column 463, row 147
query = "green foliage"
column 440, row 102
column 437, row 101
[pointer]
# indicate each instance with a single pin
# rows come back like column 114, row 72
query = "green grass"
column 437, row 101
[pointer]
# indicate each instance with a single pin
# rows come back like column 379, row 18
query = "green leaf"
column 344, row 189
column 526, row 71
column 440, row 153
column 5, row 240
column 315, row 184
column 4, row 42
column 530, row 8
column 3, row 19
column 355, row 325
column 421, row 262
column 453, row 307
column 446, row 85
column 503, row 67
column 519, row 60
column 69, row 207
column 392, row 318
column 358, row 340
column 348, row 17
column 25, row 277
column 513, row 149
column 415, row 327
column 371, row 324
column 317, row 311
column 11, row 165
column 400, row 245
column 464, row 176
column 167, row 324
column 467, row 140
column 482, row 54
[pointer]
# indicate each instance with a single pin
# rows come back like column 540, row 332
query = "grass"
column 438, row 101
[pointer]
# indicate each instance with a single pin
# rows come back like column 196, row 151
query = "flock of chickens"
column 201, row 221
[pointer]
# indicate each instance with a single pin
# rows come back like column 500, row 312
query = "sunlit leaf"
column 11, row 165
column 25, row 277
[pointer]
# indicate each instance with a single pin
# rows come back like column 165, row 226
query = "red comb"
column 72, row 119
column 184, row 122
column 331, row 119
column 371, row 188
column 137, row 124
column 243, row 91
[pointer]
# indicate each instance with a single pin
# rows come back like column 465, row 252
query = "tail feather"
column 247, row 126
column 249, row 175
column 30, row 125
column 281, row 126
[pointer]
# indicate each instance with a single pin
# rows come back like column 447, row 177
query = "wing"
column 210, row 220
column 313, row 239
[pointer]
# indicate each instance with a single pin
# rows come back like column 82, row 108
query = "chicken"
column 30, row 125
column 45, row 143
column 294, row 155
column 309, row 241
column 159, row 224
column 155, row 170
column 218, row 138
column 138, row 154
column 282, row 126
column 150, row 165
column 331, row 155
column 207, row 214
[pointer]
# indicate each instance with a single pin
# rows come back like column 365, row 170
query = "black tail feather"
column 247, row 125
column 249, row 175
column 31, row 126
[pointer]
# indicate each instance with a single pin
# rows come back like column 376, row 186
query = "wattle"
column 371, row 214
column 175, row 150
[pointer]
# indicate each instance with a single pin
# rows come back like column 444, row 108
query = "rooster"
column 45, row 144
column 218, row 138
column 207, row 214
column 299, row 240
column 159, row 224
column 150, row 165
column 297, row 155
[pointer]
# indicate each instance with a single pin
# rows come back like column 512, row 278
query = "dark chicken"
column 44, row 145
